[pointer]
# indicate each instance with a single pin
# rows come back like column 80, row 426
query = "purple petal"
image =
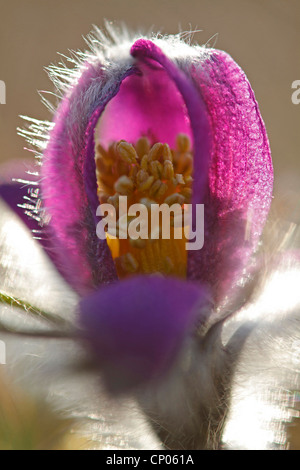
column 153, row 106
column 18, row 193
column 13, row 194
column 64, row 187
column 136, row 327
column 146, row 50
column 144, row 95
column 210, row 99
column 240, row 176
column 18, row 197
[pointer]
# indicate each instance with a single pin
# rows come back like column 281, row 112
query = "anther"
column 186, row 193
column 156, row 169
column 174, row 199
column 161, row 191
column 156, row 151
column 142, row 146
column 133, row 173
column 124, row 186
column 168, row 171
column 127, row 152
column 114, row 200
column 189, row 180
column 144, row 163
column 146, row 184
column 147, row 202
column 183, row 143
column 166, row 153
column 179, row 178
column 142, row 175
column 158, row 189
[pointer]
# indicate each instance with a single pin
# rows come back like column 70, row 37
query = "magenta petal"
column 136, row 327
column 143, row 92
column 147, row 104
column 240, row 176
column 64, row 186
column 233, row 144
column 146, row 50
column 212, row 101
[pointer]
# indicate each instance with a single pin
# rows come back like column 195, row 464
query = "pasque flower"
column 157, row 120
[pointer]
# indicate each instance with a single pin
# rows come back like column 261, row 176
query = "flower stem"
column 34, row 311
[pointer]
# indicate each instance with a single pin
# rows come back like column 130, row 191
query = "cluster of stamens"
column 146, row 175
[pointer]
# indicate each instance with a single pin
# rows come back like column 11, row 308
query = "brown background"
column 262, row 36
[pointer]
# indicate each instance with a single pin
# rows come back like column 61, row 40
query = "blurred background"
column 263, row 36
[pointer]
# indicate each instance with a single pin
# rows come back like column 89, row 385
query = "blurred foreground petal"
column 265, row 392
column 136, row 328
column 50, row 370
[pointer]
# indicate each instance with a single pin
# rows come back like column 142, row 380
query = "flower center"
column 146, row 175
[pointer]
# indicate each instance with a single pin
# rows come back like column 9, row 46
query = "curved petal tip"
column 136, row 328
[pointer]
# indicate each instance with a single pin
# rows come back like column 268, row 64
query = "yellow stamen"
column 156, row 151
column 168, row 172
column 146, row 183
column 175, row 198
column 147, row 175
column 179, row 178
column 187, row 194
column 144, row 163
column 183, row 143
column 127, row 152
column 142, row 146
column 124, row 186
column 156, row 169
column 166, row 152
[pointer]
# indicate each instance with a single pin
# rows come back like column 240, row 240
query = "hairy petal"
column 63, row 185
column 136, row 327
column 213, row 103
column 240, row 175
column 144, row 49
column 69, row 175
